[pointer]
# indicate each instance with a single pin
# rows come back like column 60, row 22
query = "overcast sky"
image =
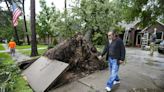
column 58, row 3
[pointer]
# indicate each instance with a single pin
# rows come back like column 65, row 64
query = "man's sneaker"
column 108, row 89
column 116, row 82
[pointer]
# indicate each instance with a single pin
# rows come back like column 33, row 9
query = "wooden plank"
column 43, row 72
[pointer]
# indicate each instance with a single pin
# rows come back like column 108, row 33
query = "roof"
column 160, row 23
column 150, row 26
column 127, row 26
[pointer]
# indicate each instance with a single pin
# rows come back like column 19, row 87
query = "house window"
column 159, row 35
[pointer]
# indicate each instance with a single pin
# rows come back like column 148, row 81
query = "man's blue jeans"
column 113, row 68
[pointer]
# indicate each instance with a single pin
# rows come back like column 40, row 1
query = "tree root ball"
column 80, row 54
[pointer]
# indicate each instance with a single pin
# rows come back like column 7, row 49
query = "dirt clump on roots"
column 79, row 54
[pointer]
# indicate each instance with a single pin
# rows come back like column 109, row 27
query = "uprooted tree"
column 80, row 54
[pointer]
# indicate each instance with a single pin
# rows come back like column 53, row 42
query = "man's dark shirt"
column 115, row 50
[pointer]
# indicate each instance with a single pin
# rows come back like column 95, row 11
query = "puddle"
column 152, row 64
column 144, row 90
column 155, row 60
column 155, row 63
column 160, row 55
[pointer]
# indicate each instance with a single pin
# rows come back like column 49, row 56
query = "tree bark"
column 65, row 5
column 25, row 24
column 16, row 35
column 65, row 15
column 88, row 36
column 48, row 39
column 34, row 51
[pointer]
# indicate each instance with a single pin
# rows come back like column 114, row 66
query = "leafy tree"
column 87, row 16
column 6, row 30
column 9, row 3
column 148, row 11
column 44, row 20
column 97, row 16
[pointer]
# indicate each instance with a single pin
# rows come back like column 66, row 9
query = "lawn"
column 1, row 47
column 29, row 46
column 16, row 82
column 5, row 58
column 28, row 52
column 41, row 51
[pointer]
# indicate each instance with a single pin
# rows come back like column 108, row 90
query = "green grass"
column 41, row 51
column 1, row 47
column 20, row 85
column 28, row 52
column 6, row 59
column 6, row 65
column 29, row 46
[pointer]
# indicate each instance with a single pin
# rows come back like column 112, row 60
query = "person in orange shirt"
column 12, row 46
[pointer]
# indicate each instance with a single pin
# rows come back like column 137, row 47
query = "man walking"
column 115, row 50
column 12, row 46
column 152, row 43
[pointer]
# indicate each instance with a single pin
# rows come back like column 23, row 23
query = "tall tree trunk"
column 65, row 5
column 25, row 24
column 44, row 40
column 16, row 33
column 48, row 39
column 65, row 15
column 34, row 51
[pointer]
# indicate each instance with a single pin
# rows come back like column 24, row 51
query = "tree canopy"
column 147, row 11
column 95, row 17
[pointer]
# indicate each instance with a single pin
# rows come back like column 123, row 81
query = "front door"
column 138, row 40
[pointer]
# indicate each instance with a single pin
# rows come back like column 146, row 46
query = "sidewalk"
column 18, row 56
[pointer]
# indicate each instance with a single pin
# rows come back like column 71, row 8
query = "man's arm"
column 123, row 51
column 105, row 50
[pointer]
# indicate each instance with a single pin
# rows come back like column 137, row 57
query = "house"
column 130, row 33
column 133, row 37
column 148, row 31
column 137, row 37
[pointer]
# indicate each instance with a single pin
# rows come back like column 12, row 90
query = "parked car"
column 161, row 47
